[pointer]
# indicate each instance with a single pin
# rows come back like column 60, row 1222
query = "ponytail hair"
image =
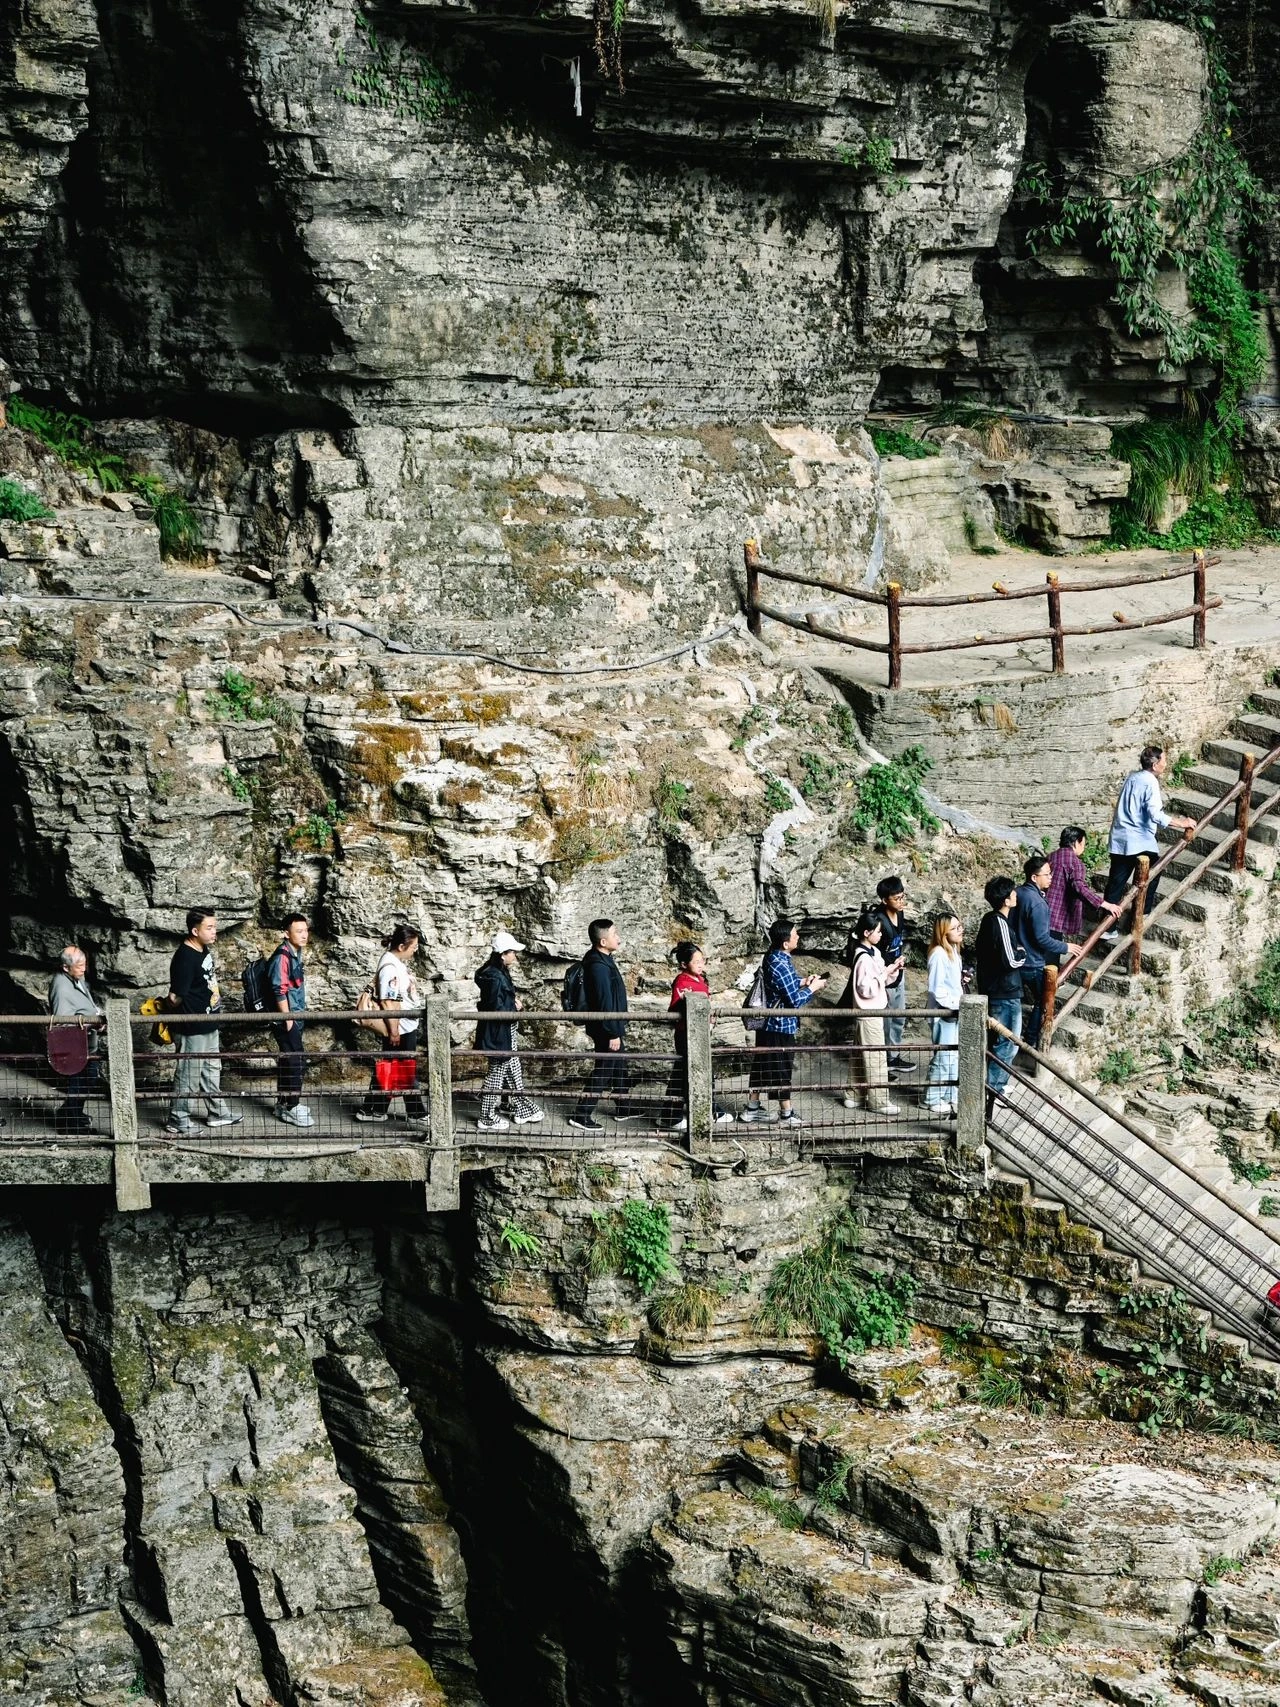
column 684, row 952
column 401, row 937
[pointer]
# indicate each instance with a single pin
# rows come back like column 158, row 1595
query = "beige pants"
column 871, row 1070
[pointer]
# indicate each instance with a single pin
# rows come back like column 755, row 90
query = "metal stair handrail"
column 1254, row 1328
column 1240, row 794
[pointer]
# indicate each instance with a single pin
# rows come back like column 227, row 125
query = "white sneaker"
column 790, row 1118
column 893, row 1109
column 223, row 1120
column 528, row 1119
column 755, row 1112
column 850, row 1102
column 1109, row 936
column 498, row 1125
column 297, row 1116
column 726, row 1119
column 681, row 1125
column 370, row 1119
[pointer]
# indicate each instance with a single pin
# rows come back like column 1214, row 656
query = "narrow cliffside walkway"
column 1247, row 580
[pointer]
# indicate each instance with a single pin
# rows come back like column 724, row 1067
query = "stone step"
column 1196, row 804
column 1226, row 752
column 1258, row 727
column 1209, row 840
column 1215, row 780
column 1215, row 881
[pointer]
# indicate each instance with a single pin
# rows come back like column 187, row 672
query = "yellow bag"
column 160, row 1032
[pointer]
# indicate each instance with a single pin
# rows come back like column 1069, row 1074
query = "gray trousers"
column 895, row 997
column 197, row 1075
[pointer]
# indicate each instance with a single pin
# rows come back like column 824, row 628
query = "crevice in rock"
column 415, row 1553
column 274, row 1668
column 78, row 1288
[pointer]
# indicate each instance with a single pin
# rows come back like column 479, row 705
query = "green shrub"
column 891, row 802
column 821, row 778
column 317, row 828
column 181, row 534
column 1001, row 1389
column 1118, row 1068
column 777, row 797
column 65, row 435
column 238, row 700
column 891, row 441
column 784, row 1512
column 671, row 798
column 819, row 1288
column 517, row 1241
column 17, row 504
column 690, row 1308
column 645, row 1239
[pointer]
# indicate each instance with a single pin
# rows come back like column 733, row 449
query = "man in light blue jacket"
column 1139, row 815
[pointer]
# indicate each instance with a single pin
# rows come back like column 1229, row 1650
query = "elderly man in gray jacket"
column 70, row 998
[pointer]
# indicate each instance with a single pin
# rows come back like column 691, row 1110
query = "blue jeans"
column 1009, row 1015
column 941, row 1090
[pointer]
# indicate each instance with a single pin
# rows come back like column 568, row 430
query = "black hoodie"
column 497, row 995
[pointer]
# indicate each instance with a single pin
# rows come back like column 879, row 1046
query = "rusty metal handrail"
column 1200, row 1243
column 1233, row 843
column 894, row 601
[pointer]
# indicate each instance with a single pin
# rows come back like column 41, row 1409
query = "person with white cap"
column 497, row 1037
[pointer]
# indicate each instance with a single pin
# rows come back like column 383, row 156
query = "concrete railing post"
column 700, row 1097
column 971, row 1115
column 132, row 1190
column 442, row 1158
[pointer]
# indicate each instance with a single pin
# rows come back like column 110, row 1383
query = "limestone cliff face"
column 262, row 1452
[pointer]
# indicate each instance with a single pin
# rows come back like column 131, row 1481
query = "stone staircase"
column 1153, row 1179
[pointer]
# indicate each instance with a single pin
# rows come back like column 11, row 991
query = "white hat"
column 505, row 943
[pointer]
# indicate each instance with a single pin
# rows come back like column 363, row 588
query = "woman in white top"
column 946, row 986
column 870, row 1064
column 396, row 987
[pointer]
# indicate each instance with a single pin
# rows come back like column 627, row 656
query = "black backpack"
column 573, row 993
column 256, row 983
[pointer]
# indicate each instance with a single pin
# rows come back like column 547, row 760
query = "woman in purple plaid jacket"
column 1070, row 888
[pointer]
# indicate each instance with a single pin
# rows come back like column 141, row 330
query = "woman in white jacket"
column 946, row 986
column 868, row 998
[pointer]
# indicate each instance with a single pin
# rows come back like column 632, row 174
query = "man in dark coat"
column 607, row 994
column 498, row 1038
column 1040, row 947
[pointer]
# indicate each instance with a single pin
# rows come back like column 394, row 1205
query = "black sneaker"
column 584, row 1123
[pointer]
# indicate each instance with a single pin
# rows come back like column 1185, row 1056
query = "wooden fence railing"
column 893, row 601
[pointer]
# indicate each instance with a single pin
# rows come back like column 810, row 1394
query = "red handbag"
column 1273, row 1297
column 395, row 1073
column 68, row 1049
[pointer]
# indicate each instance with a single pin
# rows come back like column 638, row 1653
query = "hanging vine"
column 1194, row 214
column 608, row 18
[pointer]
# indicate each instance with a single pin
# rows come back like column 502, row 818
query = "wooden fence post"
column 1201, row 580
column 751, row 558
column 1050, row 1004
column 894, row 608
column 971, row 1113
column 1139, row 915
column 1055, row 624
column 442, row 1157
column 700, row 1099
column 1242, row 812
column 132, row 1190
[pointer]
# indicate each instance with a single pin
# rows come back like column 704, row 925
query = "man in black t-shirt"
column 193, row 989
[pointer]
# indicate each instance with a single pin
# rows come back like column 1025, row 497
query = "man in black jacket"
column 605, row 993
column 497, row 1036
column 999, row 960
